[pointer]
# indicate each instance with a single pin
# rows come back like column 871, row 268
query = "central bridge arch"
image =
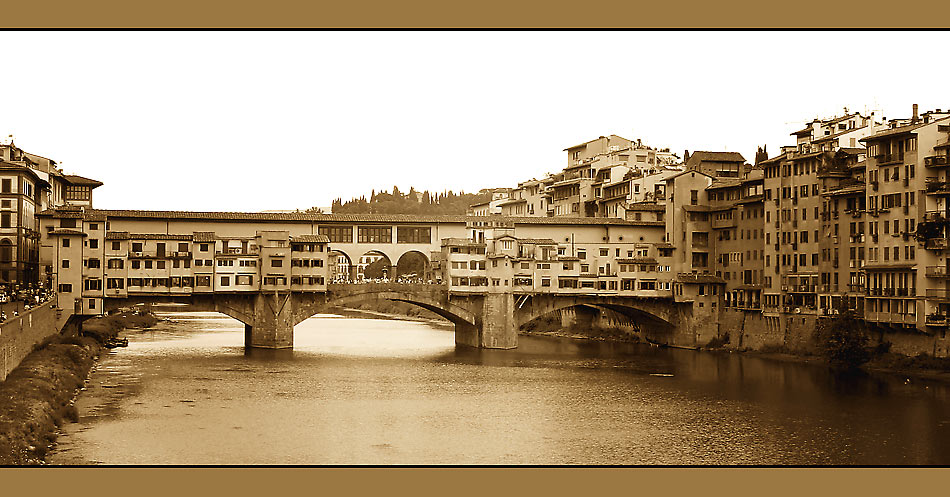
column 454, row 313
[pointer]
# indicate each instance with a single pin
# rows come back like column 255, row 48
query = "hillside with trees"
column 413, row 202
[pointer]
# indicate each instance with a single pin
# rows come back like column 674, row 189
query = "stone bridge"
column 485, row 320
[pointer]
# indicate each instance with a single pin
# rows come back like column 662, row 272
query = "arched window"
column 6, row 250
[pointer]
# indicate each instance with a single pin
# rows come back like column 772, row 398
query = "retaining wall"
column 18, row 335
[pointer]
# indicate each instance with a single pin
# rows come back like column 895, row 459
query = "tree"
column 843, row 340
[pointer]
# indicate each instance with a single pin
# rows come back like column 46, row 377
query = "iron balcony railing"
column 937, row 272
column 935, row 161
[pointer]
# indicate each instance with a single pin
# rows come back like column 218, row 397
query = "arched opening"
column 600, row 319
column 413, row 266
column 341, row 267
column 373, row 265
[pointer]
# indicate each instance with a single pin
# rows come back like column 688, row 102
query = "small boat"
column 112, row 343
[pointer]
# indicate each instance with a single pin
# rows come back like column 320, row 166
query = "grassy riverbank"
column 37, row 397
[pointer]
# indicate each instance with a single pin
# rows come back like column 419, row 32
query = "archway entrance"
column 373, row 265
column 341, row 267
column 413, row 266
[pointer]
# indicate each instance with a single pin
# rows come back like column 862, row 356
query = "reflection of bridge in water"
column 484, row 319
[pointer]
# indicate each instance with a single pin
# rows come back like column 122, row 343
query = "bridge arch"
column 453, row 312
column 648, row 314
column 412, row 262
column 341, row 265
column 374, row 264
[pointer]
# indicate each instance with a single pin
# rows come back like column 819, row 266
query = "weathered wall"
column 18, row 335
column 912, row 344
column 751, row 330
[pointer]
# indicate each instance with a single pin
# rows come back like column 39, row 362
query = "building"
column 29, row 184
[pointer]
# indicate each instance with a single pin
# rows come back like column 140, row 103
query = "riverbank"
column 37, row 396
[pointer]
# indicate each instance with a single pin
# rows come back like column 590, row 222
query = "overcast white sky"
column 251, row 121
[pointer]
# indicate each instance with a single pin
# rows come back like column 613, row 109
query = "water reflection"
column 367, row 391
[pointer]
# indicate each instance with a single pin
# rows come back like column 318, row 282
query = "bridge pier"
column 271, row 323
column 495, row 327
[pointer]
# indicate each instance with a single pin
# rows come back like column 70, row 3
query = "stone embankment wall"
column 19, row 334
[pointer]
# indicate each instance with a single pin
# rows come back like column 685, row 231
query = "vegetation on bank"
column 36, row 397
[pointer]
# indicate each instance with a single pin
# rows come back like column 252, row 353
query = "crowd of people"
column 405, row 279
column 25, row 298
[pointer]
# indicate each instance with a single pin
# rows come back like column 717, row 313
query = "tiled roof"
column 646, row 207
column 203, row 236
column 79, row 180
column 835, row 135
column 117, row 235
column 891, row 132
column 356, row 218
column 724, row 183
column 64, row 231
column 159, row 236
column 311, row 239
column 465, row 242
column 537, row 241
column 803, row 131
column 664, row 245
column 702, row 155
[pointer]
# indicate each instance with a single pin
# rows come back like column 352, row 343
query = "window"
column 337, row 234
column 203, row 280
column 6, row 186
column 225, row 281
column 148, row 264
column 604, row 252
column 183, row 247
column 65, row 288
column 244, row 279
column 159, row 264
column 67, row 223
column 92, row 303
column 136, row 264
column 93, row 264
column 115, row 283
column 136, row 246
column 92, row 284
column 409, row 234
column 116, row 245
column 276, row 263
column 93, row 243
column 65, row 242
column 93, row 226
column 65, row 263
column 5, row 220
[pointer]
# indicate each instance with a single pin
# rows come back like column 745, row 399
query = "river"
column 374, row 391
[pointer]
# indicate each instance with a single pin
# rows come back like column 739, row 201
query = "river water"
column 372, row 391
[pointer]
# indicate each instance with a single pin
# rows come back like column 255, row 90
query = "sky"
column 253, row 121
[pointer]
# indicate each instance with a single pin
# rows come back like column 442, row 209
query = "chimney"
column 913, row 120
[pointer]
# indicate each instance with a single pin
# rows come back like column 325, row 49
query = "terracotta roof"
column 803, row 131
column 664, row 245
column 892, row 132
column 646, row 207
column 64, row 231
column 203, row 236
column 702, row 155
column 310, row 239
column 725, row 183
column 124, row 235
column 537, row 241
column 351, row 218
column 79, row 180
column 465, row 242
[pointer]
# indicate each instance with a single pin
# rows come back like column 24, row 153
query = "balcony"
column 936, row 244
column 937, row 272
column 937, row 187
column 935, row 161
column 724, row 223
column 855, row 288
column 938, row 294
column 936, row 216
column 883, row 159
column 936, row 320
